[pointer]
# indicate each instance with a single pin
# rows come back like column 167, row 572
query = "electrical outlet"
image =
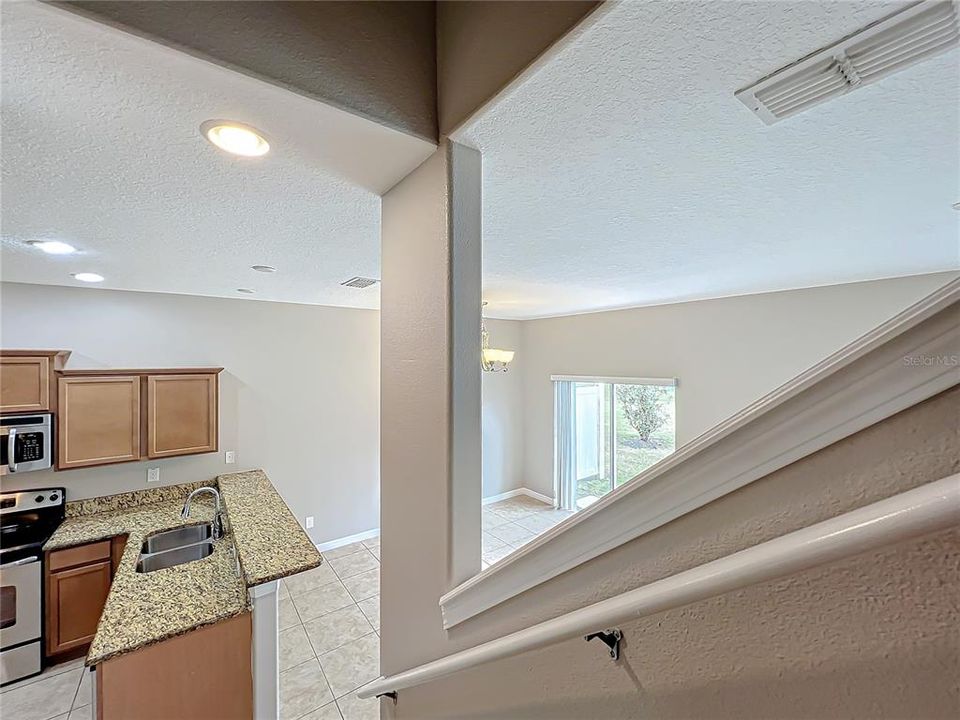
column 309, row 521
column 229, row 457
column 153, row 474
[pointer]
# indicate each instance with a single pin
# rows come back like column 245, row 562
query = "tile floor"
column 330, row 616
column 329, row 630
column 512, row 523
column 61, row 692
column 329, row 636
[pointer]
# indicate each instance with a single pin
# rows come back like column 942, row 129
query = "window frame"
column 560, row 406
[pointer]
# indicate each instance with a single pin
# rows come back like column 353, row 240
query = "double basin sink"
column 175, row 547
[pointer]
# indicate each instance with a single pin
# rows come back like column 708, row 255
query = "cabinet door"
column 181, row 415
column 99, row 420
column 75, row 599
column 24, row 384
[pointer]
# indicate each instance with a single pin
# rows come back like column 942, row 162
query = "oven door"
column 20, row 601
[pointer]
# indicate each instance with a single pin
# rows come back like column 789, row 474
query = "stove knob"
column 54, row 497
column 39, row 498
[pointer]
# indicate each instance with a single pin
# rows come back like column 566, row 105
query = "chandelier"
column 492, row 359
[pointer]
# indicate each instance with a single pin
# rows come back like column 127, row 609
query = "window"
column 607, row 431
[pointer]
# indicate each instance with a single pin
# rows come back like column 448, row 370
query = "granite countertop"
column 269, row 539
column 145, row 608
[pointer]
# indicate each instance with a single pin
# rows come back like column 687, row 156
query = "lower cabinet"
column 206, row 673
column 77, row 584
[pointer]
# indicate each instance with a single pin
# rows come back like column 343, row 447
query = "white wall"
column 726, row 353
column 300, row 392
column 503, row 414
column 299, row 395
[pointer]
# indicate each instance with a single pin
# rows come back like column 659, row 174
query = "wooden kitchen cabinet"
column 117, row 546
column 27, row 379
column 99, row 420
column 115, row 416
column 181, row 414
column 203, row 674
column 77, row 584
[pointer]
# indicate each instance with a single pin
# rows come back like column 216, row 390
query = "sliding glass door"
column 607, row 431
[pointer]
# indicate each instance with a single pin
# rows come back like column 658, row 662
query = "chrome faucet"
column 217, row 515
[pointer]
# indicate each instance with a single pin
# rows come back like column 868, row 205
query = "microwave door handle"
column 12, row 450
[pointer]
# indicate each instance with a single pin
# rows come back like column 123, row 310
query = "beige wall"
column 482, row 46
column 726, row 353
column 503, row 414
column 299, row 395
column 430, row 399
column 873, row 636
column 374, row 59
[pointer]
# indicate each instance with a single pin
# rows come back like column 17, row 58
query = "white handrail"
column 931, row 507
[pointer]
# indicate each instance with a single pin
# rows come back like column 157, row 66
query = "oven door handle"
column 12, row 450
column 21, row 561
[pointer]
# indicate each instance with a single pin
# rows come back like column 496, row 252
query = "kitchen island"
column 228, row 596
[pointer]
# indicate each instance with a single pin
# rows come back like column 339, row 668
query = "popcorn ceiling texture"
column 624, row 172
column 145, row 608
column 872, row 636
column 375, row 59
column 108, row 123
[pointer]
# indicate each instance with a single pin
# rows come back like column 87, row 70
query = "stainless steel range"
column 27, row 520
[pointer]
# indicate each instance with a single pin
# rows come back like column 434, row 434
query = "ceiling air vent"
column 359, row 282
column 913, row 34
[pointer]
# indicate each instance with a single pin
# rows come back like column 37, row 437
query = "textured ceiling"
column 101, row 149
column 624, row 172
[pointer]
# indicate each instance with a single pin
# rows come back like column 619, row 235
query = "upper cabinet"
column 108, row 417
column 181, row 414
column 99, row 420
column 28, row 380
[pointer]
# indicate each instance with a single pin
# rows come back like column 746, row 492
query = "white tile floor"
column 329, row 630
column 329, row 636
column 330, row 616
column 510, row 524
column 61, row 692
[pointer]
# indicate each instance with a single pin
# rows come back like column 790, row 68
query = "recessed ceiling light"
column 235, row 138
column 263, row 268
column 245, row 291
column 88, row 277
column 52, row 247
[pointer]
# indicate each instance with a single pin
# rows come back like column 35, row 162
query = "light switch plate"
column 309, row 521
column 153, row 474
column 230, row 457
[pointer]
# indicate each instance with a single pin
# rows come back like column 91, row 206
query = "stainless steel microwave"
column 26, row 442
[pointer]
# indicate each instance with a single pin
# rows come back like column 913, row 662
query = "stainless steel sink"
column 177, row 556
column 178, row 537
column 175, row 547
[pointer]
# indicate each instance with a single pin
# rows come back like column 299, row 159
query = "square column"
column 430, row 446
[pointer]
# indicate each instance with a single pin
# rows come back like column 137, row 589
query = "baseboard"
column 538, row 496
column 519, row 491
column 340, row 542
